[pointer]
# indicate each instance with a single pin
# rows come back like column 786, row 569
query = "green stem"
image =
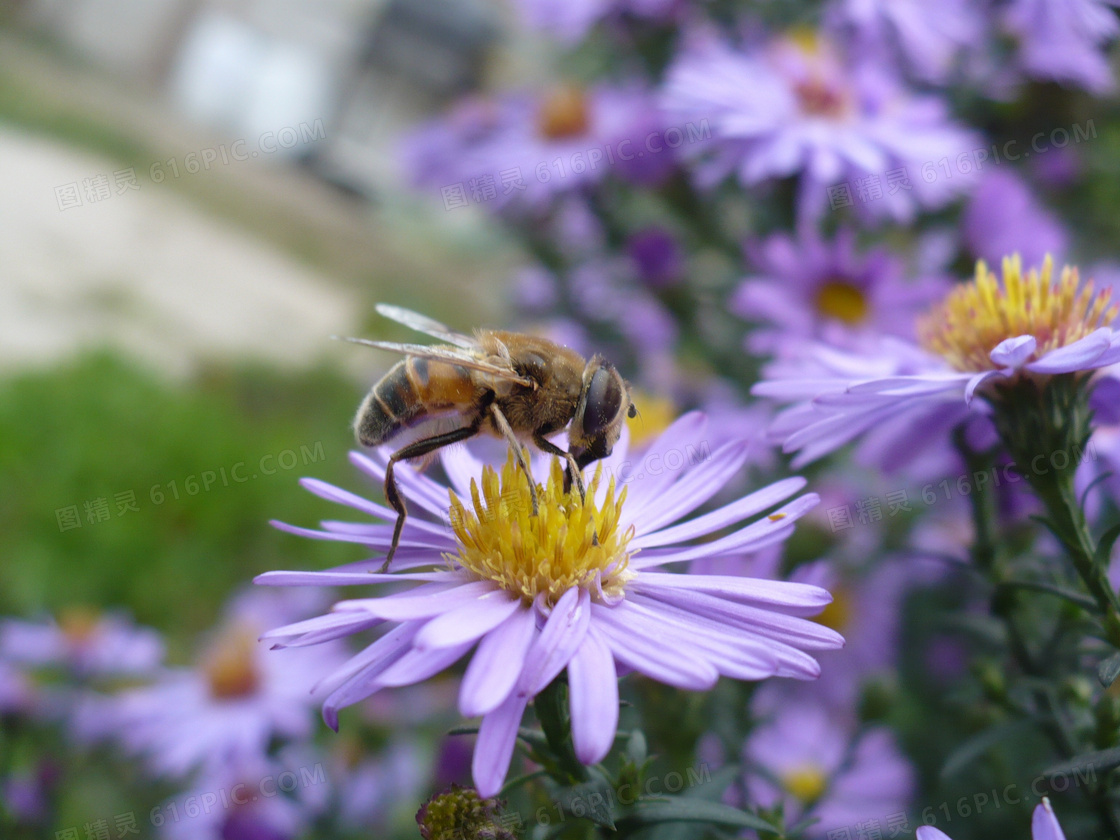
column 552, row 711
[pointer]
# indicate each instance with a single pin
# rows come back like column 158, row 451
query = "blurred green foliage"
column 101, row 426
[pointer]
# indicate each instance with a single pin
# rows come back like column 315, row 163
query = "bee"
column 507, row 384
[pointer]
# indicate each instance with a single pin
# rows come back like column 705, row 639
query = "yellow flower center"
column 838, row 612
column 843, row 301
column 807, row 782
column 79, row 624
column 563, row 113
column 568, row 543
column 977, row 316
column 230, row 663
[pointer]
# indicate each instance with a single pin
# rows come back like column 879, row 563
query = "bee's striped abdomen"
column 412, row 388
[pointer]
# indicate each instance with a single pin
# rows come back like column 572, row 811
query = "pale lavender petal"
column 468, row 622
column 1110, row 356
column 416, row 488
column 494, row 749
column 593, row 693
column 344, row 497
column 1012, row 352
column 357, row 679
column 497, row 664
column 346, row 578
column 346, row 623
column 695, row 488
column 748, row 539
column 648, row 489
column 928, row 832
column 747, row 590
column 1081, row 355
column 424, row 601
column 978, row 380
column 417, row 665
column 737, row 511
column 558, row 641
column 653, row 657
column 1044, row 825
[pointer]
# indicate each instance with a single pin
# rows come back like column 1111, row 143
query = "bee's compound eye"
column 604, row 400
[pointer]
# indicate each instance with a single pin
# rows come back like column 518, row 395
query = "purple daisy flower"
column 530, row 147
column 1044, row 825
column 83, row 644
column 229, row 707
column 925, row 38
column 985, row 330
column 1062, row 40
column 794, row 108
column 1004, row 217
column 814, row 763
column 808, row 288
column 566, row 589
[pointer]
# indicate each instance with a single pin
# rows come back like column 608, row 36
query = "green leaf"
column 979, row 744
column 636, row 748
column 1078, row 598
column 1109, row 670
column 1102, row 761
column 689, row 809
column 1104, row 548
column 590, row 801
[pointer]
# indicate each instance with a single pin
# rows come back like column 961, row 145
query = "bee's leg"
column 503, row 424
column 573, row 475
column 416, row 450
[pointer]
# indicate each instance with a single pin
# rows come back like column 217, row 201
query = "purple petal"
column 650, row 655
column 356, row 679
column 1081, row 355
column 558, row 641
column 417, row 665
column 468, row 622
column 1012, row 352
column 345, row 497
column 348, row 578
column 494, row 749
column 497, row 664
column 699, row 485
column 425, row 601
column 593, row 693
column 745, row 540
column 746, row 590
column 737, row 511
column 689, row 427
column 414, row 487
column 928, row 832
column 1044, row 825
column 978, row 380
column 346, row 623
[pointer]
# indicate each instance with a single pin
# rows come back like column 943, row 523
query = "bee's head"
column 604, row 404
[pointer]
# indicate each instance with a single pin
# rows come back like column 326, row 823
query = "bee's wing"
column 424, row 324
column 450, row 355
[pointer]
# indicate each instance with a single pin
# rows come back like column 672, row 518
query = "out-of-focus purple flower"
column 244, row 799
column 1044, row 825
column 593, row 608
column 983, row 331
column 528, row 148
column 657, row 255
column 1062, row 40
column 1004, row 217
column 17, row 692
column 807, row 288
column 923, row 37
column 238, row 697
column 371, row 789
column 570, row 20
column 852, row 135
column 815, row 763
column 83, row 644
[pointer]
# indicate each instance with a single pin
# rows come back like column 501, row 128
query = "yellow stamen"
column 807, row 783
column 568, row 543
column 977, row 316
column 230, row 663
column 841, row 300
column 563, row 113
